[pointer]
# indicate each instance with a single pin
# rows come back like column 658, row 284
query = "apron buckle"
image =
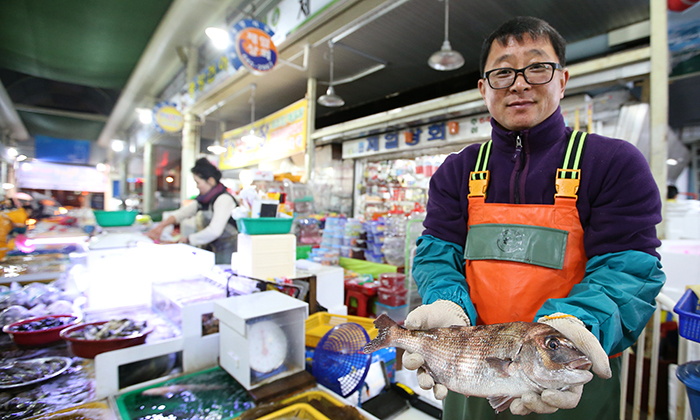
column 567, row 187
column 477, row 187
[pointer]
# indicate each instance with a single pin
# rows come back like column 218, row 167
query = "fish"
column 176, row 389
column 500, row 362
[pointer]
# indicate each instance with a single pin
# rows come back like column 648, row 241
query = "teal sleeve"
column 615, row 299
column 438, row 269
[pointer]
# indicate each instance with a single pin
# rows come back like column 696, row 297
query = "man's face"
column 522, row 105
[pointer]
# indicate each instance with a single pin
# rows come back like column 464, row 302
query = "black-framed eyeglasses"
column 534, row 74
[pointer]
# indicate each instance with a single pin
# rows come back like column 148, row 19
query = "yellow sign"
column 277, row 136
column 169, row 119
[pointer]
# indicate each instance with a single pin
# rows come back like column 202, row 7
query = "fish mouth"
column 580, row 364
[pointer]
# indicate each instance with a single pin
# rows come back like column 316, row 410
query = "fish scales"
column 500, row 362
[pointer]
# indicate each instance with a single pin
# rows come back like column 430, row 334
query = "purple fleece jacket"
column 618, row 200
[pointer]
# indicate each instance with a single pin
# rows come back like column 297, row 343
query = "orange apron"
column 520, row 255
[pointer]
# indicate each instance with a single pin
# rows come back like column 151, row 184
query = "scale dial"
column 268, row 346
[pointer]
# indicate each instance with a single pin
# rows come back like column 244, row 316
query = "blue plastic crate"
column 688, row 316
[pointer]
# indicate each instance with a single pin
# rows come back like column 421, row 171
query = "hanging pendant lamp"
column 446, row 59
column 330, row 99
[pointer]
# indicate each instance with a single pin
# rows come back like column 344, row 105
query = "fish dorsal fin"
column 499, row 365
column 500, row 403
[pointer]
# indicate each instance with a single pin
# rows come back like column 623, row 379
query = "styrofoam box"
column 266, row 256
column 239, row 352
column 330, row 287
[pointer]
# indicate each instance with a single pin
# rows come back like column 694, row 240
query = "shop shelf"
column 299, row 411
column 688, row 316
column 318, row 324
column 265, row 225
column 115, row 218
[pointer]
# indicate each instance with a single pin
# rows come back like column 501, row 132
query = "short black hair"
column 516, row 28
column 205, row 170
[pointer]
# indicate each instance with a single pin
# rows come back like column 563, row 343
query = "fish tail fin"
column 384, row 338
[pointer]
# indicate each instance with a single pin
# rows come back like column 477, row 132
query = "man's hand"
column 551, row 399
column 441, row 313
column 584, row 340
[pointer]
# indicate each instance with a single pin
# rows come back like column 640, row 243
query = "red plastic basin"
column 38, row 337
column 88, row 349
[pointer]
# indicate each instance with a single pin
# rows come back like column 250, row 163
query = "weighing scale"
column 261, row 336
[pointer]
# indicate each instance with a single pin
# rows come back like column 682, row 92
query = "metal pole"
column 659, row 100
column 310, row 127
column 190, row 137
column 149, row 181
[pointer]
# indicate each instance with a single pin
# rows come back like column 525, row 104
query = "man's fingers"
column 534, row 403
column 440, row 391
column 563, row 399
column 518, row 408
column 425, row 381
column 412, row 361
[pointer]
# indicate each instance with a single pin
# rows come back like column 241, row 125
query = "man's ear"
column 482, row 88
column 564, row 80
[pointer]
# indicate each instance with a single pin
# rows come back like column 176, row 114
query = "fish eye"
column 552, row 343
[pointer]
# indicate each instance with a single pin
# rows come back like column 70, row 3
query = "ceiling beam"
column 182, row 25
column 9, row 114
column 60, row 113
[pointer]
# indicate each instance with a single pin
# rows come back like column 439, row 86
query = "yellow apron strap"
column 569, row 175
column 479, row 178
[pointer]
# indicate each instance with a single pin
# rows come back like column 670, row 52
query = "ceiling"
column 73, row 56
column 77, row 57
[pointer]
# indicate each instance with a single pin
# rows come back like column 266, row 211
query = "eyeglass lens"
column 535, row 74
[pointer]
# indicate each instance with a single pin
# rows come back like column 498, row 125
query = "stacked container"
column 392, row 296
column 375, row 240
column 394, row 248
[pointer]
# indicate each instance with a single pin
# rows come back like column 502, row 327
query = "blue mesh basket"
column 339, row 363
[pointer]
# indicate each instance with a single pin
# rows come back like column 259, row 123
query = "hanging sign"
column 468, row 129
column 254, row 46
column 167, row 118
column 291, row 15
column 277, row 136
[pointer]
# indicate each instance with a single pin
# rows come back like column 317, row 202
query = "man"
column 583, row 262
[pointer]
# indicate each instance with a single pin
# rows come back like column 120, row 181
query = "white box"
column 266, row 256
column 330, row 286
column 261, row 336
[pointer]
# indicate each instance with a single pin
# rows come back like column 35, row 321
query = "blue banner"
column 50, row 149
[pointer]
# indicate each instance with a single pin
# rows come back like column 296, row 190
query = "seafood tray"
column 67, row 389
column 88, row 344
column 318, row 324
column 18, row 373
column 211, row 393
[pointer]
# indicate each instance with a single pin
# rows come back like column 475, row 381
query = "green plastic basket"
column 265, row 225
column 115, row 218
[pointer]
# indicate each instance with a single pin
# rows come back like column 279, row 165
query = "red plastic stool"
column 361, row 298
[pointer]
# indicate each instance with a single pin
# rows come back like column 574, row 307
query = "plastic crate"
column 265, row 225
column 115, row 218
column 318, row 324
column 688, row 316
column 306, row 397
column 299, row 411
